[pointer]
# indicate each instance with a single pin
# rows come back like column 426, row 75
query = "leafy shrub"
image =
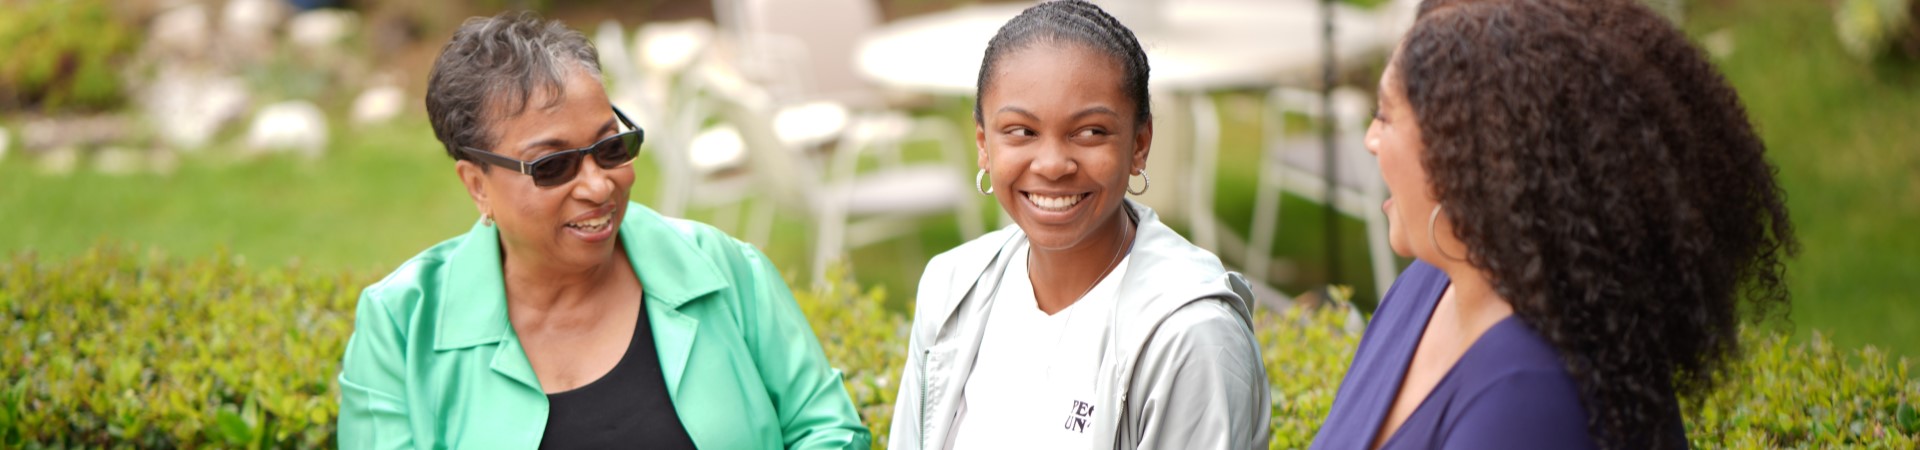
column 1809, row 395
column 117, row 349
column 864, row 340
column 1783, row 395
column 1306, row 352
column 62, row 54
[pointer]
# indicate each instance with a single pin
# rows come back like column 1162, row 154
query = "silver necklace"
column 1126, row 227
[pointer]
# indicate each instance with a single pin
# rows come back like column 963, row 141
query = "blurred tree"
column 1872, row 29
column 62, row 55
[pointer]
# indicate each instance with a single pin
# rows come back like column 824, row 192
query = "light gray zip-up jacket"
column 1179, row 350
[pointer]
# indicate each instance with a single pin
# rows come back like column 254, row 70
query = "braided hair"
column 1076, row 22
column 1606, row 178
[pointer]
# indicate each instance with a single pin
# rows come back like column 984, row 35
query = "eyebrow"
column 553, row 142
column 1076, row 116
column 1017, row 110
column 1093, row 111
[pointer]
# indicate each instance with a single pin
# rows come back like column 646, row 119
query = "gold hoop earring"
column 977, row 178
column 1434, row 238
column 1146, row 183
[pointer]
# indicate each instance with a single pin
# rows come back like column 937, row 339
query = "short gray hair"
column 491, row 69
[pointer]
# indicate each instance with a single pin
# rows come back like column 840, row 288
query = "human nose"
column 593, row 184
column 1372, row 139
column 1053, row 160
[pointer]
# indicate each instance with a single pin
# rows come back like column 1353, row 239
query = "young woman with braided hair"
column 1088, row 324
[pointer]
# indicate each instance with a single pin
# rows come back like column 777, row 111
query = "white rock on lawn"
column 187, row 108
column 118, row 161
column 378, row 104
column 60, row 161
column 321, row 27
column 293, row 125
column 247, row 25
column 181, row 32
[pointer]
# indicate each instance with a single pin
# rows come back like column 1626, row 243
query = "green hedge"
column 115, row 348
column 121, row 349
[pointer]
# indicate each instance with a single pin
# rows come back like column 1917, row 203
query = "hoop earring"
column 486, row 219
column 1147, row 183
column 977, row 178
column 1434, row 238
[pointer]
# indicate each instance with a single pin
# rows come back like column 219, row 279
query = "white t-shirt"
column 1032, row 383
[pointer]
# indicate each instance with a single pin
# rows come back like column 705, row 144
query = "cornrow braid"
column 1077, row 22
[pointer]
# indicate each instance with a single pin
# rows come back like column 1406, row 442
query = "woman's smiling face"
column 1059, row 138
column 568, row 225
column 1394, row 140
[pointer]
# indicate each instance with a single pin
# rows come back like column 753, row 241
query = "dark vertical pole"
column 1328, row 119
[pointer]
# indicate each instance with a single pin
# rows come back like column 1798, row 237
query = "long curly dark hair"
column 1606, row 177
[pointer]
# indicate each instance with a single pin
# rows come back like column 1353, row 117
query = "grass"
column 1842, row 132
column 1845, row 137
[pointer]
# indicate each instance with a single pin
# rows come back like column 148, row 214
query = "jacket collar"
column 473, row 311
column 1164, row 273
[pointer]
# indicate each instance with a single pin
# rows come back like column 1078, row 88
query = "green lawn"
column 1845, row 135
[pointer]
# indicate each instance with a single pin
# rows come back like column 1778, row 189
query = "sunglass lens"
column 556, row 170
column 614, row 152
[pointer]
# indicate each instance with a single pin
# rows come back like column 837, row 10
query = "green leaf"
column 1909, row 419
column 233, row 429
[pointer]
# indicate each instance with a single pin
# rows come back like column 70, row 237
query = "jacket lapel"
column 474, row 310
column 673, row 272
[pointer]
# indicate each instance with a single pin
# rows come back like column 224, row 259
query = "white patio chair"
column 1296, row 164
column 699, row 167
column 802, row 53
column 848, row 209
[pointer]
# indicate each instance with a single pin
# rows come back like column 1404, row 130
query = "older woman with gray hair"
column 569, row 317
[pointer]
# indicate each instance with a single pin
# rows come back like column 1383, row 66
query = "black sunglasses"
column 557, row 168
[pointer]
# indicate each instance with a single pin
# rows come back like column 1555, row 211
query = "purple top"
column 1509, row 390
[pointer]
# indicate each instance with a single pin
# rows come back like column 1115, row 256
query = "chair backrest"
column 806, row 45
column 1350, row 120
column 784, row 175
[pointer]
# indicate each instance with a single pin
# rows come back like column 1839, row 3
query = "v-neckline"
column 1406, row 364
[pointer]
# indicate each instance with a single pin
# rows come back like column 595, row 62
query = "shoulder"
column 1204, row 343
column 978, row 251
column 1206, row 332
column 1420, row 283
column 714, row 243
column 406, row 289
column 1513, row 376
column 965, row 261
column 1204, row 322
column 1512, row 348
column 692, row 242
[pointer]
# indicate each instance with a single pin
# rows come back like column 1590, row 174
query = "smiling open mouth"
column 593, row 225
column 1055, row 203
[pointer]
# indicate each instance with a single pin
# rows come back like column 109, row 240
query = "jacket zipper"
column 923, row 397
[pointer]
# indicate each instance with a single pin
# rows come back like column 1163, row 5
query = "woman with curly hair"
column 1588, row 208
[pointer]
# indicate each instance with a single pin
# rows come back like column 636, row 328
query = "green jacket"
column 434, row 362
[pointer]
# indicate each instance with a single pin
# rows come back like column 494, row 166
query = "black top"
column 626, row 408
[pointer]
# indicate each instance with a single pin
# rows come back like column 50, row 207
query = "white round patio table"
column 1193, row 46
